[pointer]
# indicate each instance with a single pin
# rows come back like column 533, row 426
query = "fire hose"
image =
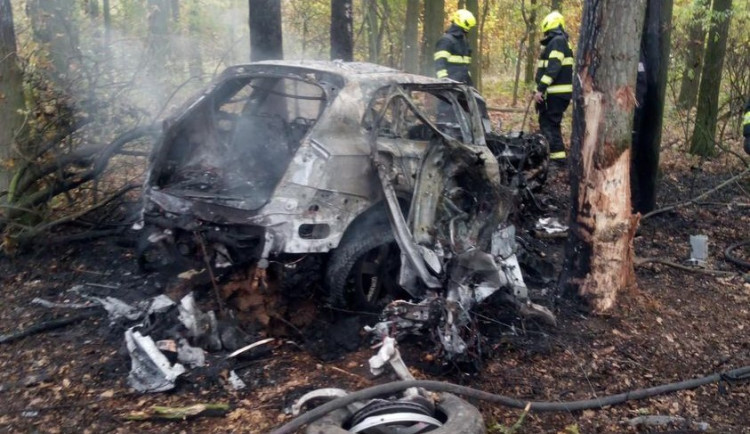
column 733, row 375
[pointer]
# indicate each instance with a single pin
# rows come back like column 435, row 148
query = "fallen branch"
column 47, row 326
column 697, row 198
column 643, row 261
column 180, row 413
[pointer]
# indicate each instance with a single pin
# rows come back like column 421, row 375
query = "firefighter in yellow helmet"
column 452, row 51
column 554, row 82
column 746, row 126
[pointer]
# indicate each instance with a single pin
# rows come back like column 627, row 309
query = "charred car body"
column 281, row 159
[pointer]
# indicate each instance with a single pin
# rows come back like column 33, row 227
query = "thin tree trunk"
column 11, row 94
column 655, row 47
column 342, row 33
column 411, row 37
column 691, row 76
column 434, row 20
column 107, row 14
column 265, row 30
column 702, row 141
column 158, row 28
column 556, row 5
column 476, row 58
column 599, row 250
column 533, row 46
column 373, row 29
column 195, row 60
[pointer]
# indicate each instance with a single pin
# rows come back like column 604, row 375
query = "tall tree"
column 599, row 250
column 655, row 45
column 434, row 21
column 11, row 93
column 556, row 5
column 691, row 76
column 702, row 141
column 373, row 30
column 411, row 37
column 476, row 56
column 265, row 30
column 342, row 33
column 533, row 44
column 158, row 29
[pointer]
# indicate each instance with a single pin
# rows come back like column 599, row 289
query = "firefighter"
column 554, row 82
column 746, row 126
column 452, row 51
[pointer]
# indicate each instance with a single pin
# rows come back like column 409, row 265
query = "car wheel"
column 362, row 272
column 457, row 415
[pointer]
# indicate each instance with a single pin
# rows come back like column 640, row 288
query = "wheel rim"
column 375, row 274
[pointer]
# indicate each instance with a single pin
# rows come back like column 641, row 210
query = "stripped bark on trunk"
column 599, row 251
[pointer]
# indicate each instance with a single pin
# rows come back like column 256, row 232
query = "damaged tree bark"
column 599, row 250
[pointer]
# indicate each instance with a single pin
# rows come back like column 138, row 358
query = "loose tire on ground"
column 460, row 417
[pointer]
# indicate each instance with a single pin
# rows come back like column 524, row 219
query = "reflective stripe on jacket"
column 746, row 120
column 453, row 56
column 554, row 74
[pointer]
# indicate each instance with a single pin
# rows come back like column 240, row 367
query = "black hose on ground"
column 439, row 386
column 728, row 253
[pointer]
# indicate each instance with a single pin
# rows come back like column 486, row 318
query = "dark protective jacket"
column 554, row 73
column 746, row 120
column 453, row 56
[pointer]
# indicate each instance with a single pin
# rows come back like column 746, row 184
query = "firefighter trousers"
column 550, row 117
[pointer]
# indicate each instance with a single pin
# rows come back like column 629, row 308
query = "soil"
column 675, row 325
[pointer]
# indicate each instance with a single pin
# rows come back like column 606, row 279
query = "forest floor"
column 676, row 325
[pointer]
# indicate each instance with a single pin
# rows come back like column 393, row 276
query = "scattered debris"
column 235, row 381
column 250, row 347
column 550, row 226
column 180, row 413
column 189, row 355
column 328, row 392
column 698, row 250
column 202, row 327
column 150, row 370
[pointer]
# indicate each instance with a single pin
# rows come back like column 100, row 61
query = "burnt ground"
column 677, row 325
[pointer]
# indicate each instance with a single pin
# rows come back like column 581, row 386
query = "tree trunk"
column 107, row 15
column 342, row 33
column 411, row 37
column 158, row 28
column 655, row 46
column 434, row 21
column 533, row 44
column 702, row 142
column 11, row 94
column 265, row 30
column 476, row 57
column 92, row 9
column 599, row 250
column 195, row 59
column 54, row 26
column 373, row 30
column 556, row 5
column 691, row 76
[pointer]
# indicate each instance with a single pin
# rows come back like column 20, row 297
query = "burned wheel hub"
column 381, row 416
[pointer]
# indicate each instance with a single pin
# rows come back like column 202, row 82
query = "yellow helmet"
column 553, row 21
column 464, row 19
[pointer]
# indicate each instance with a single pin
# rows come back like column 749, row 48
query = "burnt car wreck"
column 396, row 180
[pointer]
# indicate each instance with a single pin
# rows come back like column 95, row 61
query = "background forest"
column 87, row 71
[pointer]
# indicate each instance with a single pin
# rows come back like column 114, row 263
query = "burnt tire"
column 362, row 271
column 457, row 415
